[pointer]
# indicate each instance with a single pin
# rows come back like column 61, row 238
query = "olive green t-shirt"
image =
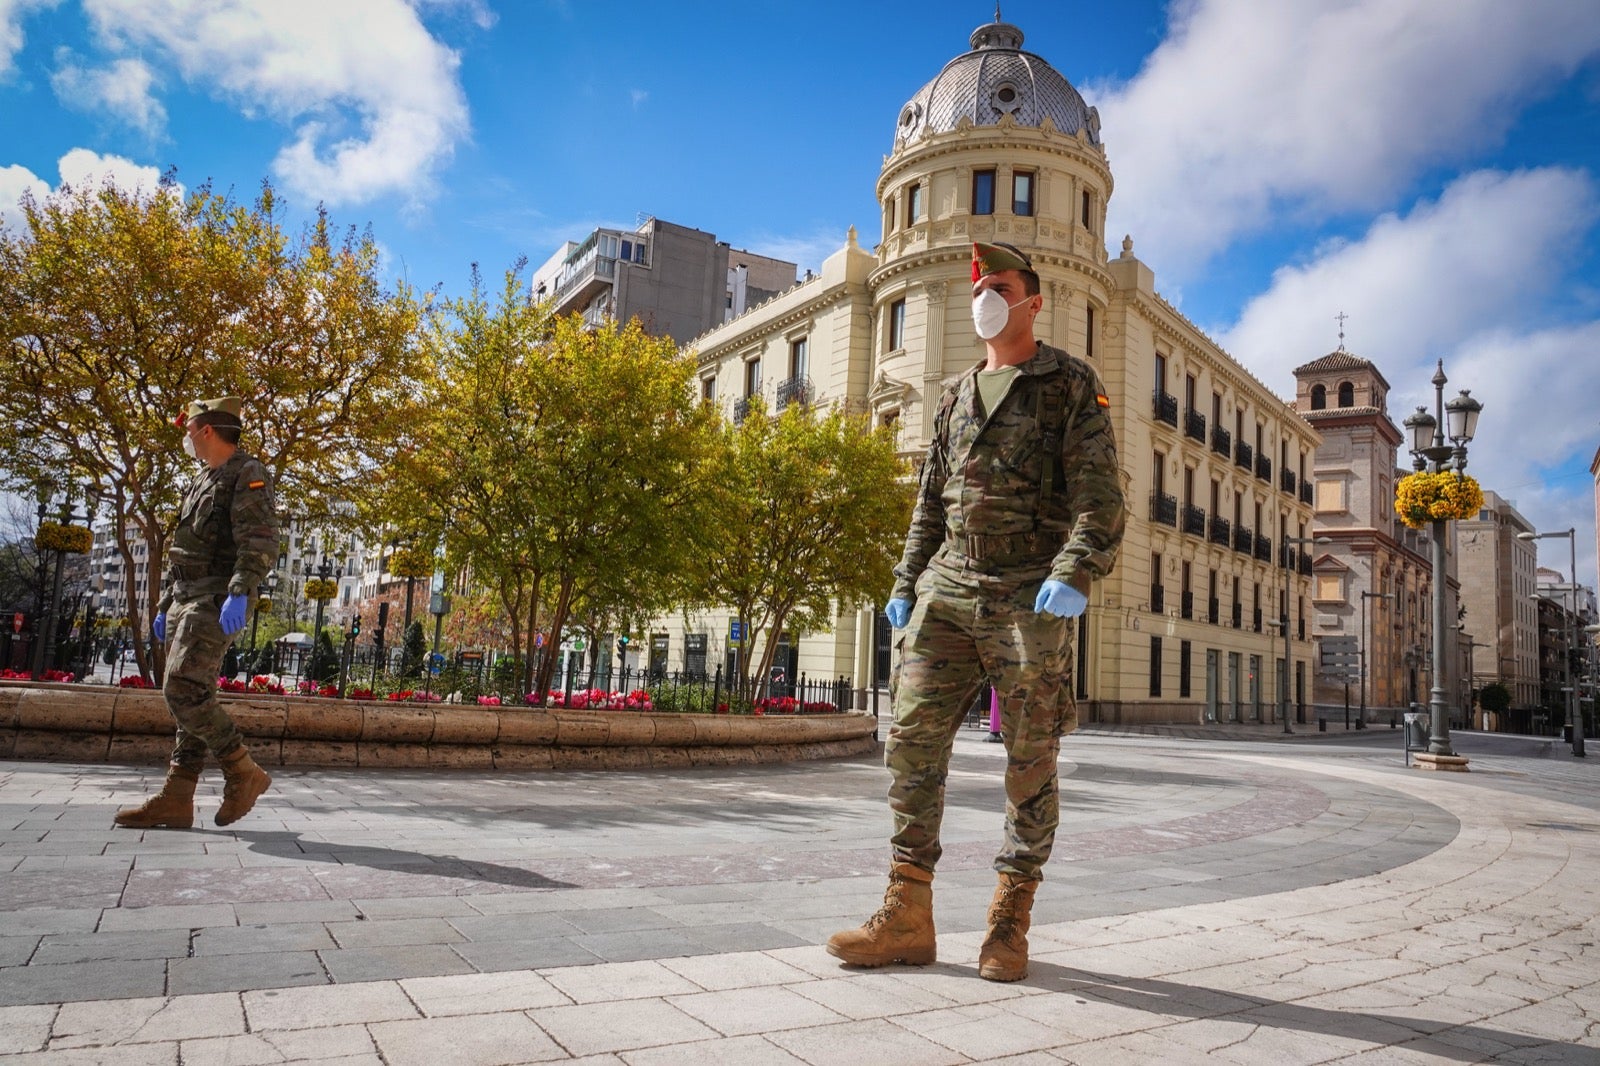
column 993, row 386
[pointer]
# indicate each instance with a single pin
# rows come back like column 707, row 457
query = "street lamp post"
column 1572, row 621
column 325, row 572
column 1361, row 722
column 48, row 619
column 1430, row 452
column 266, row 588
column 1283, row 621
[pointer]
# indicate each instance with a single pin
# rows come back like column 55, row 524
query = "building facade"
column 1374, row 580
column 1498, row 589
column 678, row 282
column 1000, row 147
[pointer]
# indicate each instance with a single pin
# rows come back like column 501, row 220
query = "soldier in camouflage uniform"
column 1020, row 506
column 226, row 541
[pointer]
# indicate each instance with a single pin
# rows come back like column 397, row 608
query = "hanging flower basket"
column 55, row 537
column 411, row 562
column 264, row 603
column 1420, row 499
column 321, row 589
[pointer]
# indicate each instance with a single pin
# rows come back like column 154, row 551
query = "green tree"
column 1494, row 697
column 118, row 307
column 811, row 511
column 569, row 459
column 412, row 651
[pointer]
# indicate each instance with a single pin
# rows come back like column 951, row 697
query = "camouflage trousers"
column 957, row 635
column 196, row 645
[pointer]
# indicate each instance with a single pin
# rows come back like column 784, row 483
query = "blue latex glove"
column 898, row 612
column 234, row 610
column 159, row 627
column 1059, row 598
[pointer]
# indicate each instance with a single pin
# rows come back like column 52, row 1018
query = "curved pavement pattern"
column 1255, row 901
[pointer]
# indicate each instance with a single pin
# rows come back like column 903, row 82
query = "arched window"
column 1319, row 397
column 1347, row 394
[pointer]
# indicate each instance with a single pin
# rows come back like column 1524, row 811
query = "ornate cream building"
column 999, row 146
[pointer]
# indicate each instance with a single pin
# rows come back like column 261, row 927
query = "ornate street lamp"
column 1431, row 454
column 1573, row 717
column 1283, row 621
column 264, row 593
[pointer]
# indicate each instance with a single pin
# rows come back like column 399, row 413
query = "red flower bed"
column 134, row 681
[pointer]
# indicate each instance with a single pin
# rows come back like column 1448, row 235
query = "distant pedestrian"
column 226, row 541
column 1019, row 507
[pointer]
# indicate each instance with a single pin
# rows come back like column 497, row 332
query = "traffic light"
column 622, row 645
column 355, row 627
column 383, row 616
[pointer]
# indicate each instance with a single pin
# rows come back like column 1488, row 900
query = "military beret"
column 225, row 411
column 992, row 258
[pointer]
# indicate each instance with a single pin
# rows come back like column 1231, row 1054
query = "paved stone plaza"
column 1235, row 898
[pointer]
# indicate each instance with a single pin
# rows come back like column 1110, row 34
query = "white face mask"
column 990, row 313
column 188, row 446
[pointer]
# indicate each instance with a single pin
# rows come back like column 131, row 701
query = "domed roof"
column 996, row 78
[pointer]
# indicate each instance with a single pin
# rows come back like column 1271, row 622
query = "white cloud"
column 79, row 168
column 1469, row 280
column 122, row 89
column 375, row 98
column 14, row 182
column 1251, row 111
column 12, row 12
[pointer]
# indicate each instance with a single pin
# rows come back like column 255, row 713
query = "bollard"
column 1322, row 725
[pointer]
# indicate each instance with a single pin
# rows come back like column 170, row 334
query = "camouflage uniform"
column 995, row 517
column 226, row 541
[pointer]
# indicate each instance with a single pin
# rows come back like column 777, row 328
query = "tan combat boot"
column 243, row 782
column 171, row 808
column 1003, row 956
column 901, row 931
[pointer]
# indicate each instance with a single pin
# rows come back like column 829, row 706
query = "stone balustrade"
column 85, row 723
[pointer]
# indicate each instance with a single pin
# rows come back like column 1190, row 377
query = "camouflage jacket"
column 990, row 501
column 227, row 536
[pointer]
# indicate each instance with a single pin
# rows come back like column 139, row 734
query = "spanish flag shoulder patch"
column 257, row 485
column 1102, row 399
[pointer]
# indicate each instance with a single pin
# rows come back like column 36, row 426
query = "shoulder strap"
column 1050, row 414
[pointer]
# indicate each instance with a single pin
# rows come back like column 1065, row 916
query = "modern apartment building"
column 679, row 282
column 1498, row 589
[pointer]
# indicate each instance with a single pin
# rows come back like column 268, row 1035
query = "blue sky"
column 1430, row 168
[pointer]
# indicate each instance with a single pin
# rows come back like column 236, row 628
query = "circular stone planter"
column 89, row 723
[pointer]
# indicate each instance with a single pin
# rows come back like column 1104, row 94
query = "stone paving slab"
column 1239, row 901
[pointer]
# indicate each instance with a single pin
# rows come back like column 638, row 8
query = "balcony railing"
column 1221, row 440
column 1286, row 481
column 1264, row 468
column 1221, row 531
column 795, row 390
column 1213, row 610
column 1163, row 508
column 1306, row 495
column 1186, row 605
column 1300, row 630
column 1243, row 455
column 1286, row 557
column 1158, row 598
column 1166, row 407
column 1194, row 425
column 1263, row 548
column 1243, row 539
column 1194, row 520
column 1255, row 622
column 1305, row 563
column 741, row 409
column 1238, row 616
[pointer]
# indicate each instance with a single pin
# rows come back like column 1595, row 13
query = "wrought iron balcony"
column 1256, row 620
column 1243, row 455
column 1220, row 531
column 1305, row 563
column 1264, row 468
column 1286, row 557
column 741, row 409
column 1286, row 481
column 1194, row 520
column 1213, row 610
column 1243, row 539
column 1238, row 616
column 1186, row 604
column 1306, row 494
column 795, row 390
column 1263, row 548
column 1163, row 508
column 1166, row 407
column 1221, row 441
column 1194, row 425
column 1158, row 598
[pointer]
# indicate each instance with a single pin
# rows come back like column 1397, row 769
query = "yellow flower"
column 55, row 537
column 1423, row 498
